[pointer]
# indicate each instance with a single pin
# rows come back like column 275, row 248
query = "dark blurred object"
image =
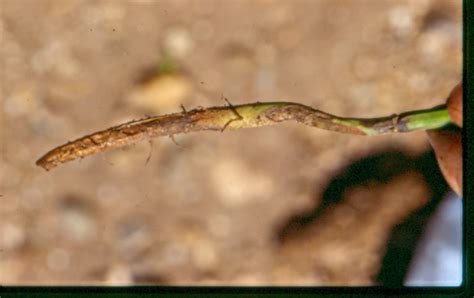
column 378, row 169
column 406, row 236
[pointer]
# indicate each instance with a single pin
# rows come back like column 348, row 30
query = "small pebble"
column 77, row 222
column 132, row 238
column 20, row 102
column 401, row 21
column 12, row 236
column 236, row 184
column 178, row 43
column 55, row 57
column 435, row 42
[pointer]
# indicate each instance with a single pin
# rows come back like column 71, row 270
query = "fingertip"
column 447, row 146
column 455, row 105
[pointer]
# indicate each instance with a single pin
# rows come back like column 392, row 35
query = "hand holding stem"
column 447, row 144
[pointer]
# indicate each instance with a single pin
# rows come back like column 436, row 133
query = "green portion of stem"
column 427, row 119
column 405, row 122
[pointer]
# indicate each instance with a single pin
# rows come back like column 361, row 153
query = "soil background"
column 281, row 205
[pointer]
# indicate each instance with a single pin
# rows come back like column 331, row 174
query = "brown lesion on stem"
column 218, row 119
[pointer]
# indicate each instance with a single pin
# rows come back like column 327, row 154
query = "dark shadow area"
column 405, row 237
column 381, row 168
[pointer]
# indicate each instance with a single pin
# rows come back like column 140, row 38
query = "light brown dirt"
column 209, row 210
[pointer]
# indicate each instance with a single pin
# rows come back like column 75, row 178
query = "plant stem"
column 427, row 119
column 406, row 122
column 237, row 117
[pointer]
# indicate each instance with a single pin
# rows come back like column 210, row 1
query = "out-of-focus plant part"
column 237, row 117
column 167, row 65
column 163, row 89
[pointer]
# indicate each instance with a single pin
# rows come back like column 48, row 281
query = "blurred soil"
column 286, row 205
